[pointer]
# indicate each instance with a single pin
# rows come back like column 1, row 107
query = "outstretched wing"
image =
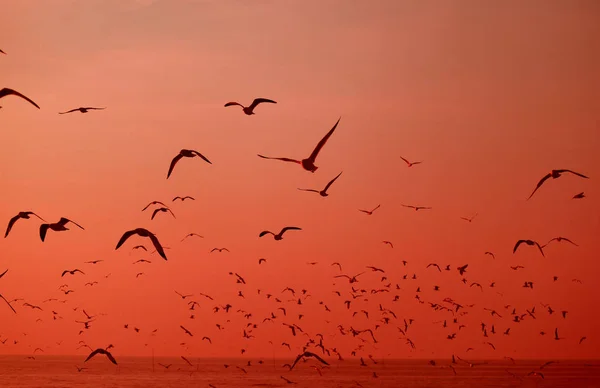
column 331, row 182
column 289, row 228
column 265, row 232
column 173, row 163
column 64, row 221
column 9, row 305
column 202, row 156
column 540, row 248
column 43, row 230
column 405, row 161
column 315, row 152
column 111, row 358
column 92, row 108
column 233, row 103
column 517, row 245
column 10, row 224
column 313, row 190
column 157, row 245
column 92, row 354
column 540, row 183
column 258, row 101
column 125, row 236
column 296, row 361
column 154, row 213
column 69, row 111
column 282, row 159
column 573, row 172
column 6, row 92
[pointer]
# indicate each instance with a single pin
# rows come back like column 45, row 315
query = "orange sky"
column 489, row 96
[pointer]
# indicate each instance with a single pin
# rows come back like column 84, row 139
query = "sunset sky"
column 489, row 95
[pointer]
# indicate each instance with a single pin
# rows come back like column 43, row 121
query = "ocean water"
column 61, row 371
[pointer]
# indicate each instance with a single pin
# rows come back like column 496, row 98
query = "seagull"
column 528, row 242
column 308, row 354
column 82, row 110
column 192, row 234
column 417, row 207
column 24, row 215
column 186, row 331
column 309, row 163
column 1, row 296
column 579, row 196
column 154, row 203
column 143, row 233
column 469, row 219
column 279, row 236
column 554, row 174
column 219, row 249
column 185, row 154
column 183, row 198
column 410, row 164
column 369, row 212
column 249, row 110
column 93, row 262
column 102, row 351
column 162, row 209
column 7, row 92
column 559, row 239
column 323, row 193
column 57, row 227
column 72, row 272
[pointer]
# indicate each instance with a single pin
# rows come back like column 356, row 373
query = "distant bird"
column 143, row 233
column 185, row 154
column 469, row 219
column 279, row 236
column 57, row 227
column 369, row 212
column 161, row 209
column 559, row 239
column 192, row 234
column 462, row 269
column 528, row 242
column 249, row 110
column 7, row 92
column 186, row 331
column 582, row 339
column 309, row 163
column 102, row 351
column 261, row 260
column 388, row 243
column 183, row 198
column 410, row 164
column 72, row 272
column 554, row 174
column 82, row 110
column 93, row 262
column 154, row 203
column 491, row 254
column 3, row 298
column 417, row 207
column 308, row 354
column 579, row 196
column 219, row 249
column 556, row 337
column 323, row 193
column 24, row 215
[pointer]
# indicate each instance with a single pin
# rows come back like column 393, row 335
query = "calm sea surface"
column 57, row 371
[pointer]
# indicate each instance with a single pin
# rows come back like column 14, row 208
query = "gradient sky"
column 490, row 95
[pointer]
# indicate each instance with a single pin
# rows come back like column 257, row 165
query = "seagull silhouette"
column 417, row 207
column 72, row 272
column 57, row 227
column 143, row 233
column 102, row 351
column 554, row 174
column 24, row 215
column 279, row 236
column 7, row 92
column 249, row 110
column 185, row 154
column 308, row 354
column 410, row 164
column 309, row 163
column 323, row 193
column 82, row 110
column 369, row 212
column 183, row 198
column 530, row 243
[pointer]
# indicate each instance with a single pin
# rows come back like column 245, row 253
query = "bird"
column 323, row 193
column 308, row 354
column 554, row 174
column 185, row 154
column 528, row 242
column 219, row 249
column 93, row 262
column 143, row 233
column 102, row 351
column 279, row 236
column 369, row 212
column 410, row 164
column 469, row 219
column 417, row 207
column 491, row 254
column 162, row 209
column 309, row 163
column 57, row 227
column 7, row 92
column 81, row 109
column 262, row 260
column 249, row 110
column 192, row 234
column 579, row 196
column 559, row 239
column 24, row 215
column 154, row 203
column 183, row 198
column 72, row 272
column 186, row 331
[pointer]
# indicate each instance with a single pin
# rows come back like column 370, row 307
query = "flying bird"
column 57, row 227
column 183, row 198
column 410, row 164
column 24, row 215
column 192, row 234
column 72, row 272
column 388, row 243
column 102, row 351
column 308, row 354
column 143, row 233
column 417, row 207
column 154, row 203
column 554, row 174
column 309, row 163
column 185, row 154
column 7, row 92
column 528, row 242
column 82, row 110
column 323, row 193
column 579, row 196
column 279, row 236
column 249, row 110
column 369, row 212
column 559, row 239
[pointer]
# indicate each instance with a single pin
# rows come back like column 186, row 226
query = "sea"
column 139, row 372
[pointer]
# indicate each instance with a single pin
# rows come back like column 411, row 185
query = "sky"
column 490, row 96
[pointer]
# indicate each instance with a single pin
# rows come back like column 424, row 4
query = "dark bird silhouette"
column 278, row 236
column 579, row 196
column 308, row 354
column 186, row 331
column 143, row 233
column 72, row 272
column 554, row 174
column 192, row 234
column 24, row 215
column 559, row 239
column 81, row 109
column 185, row 154
column 57, row 227
column 249, row 110
column 7, row 92
column 410, row 164
column 183, row 198
column 154, row 203
column 161, row 209
column 102, row 351
column 369, row 212
column 528, row 242
column 309, row 163
column 469, row 219
column 323, row 193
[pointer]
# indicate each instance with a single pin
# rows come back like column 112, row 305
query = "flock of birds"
column 373, row 302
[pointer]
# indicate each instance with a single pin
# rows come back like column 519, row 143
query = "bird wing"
column 310, row 354
column 289, row 228
column 315, row 152
column 6, row 91
column 312, row 190
column 92, row 354
column 43, row 230
column 158, row 247
column 9, row 305
column 296, row 361
column 265, row 232
column 202, row 156
column 178, row 197
column 37, row 216
column 92, row 108
column 282, row 159
column 233, row 103
column 173, row 163
column 517, row 245
column 125, row 236
column 540, row 248
column 405, row 161
column 69, row 111
column 154, row 213
column 540, row 183
column 575, row 173
column 331, row 182
column 377, row 207
column 170, row 211
column 64, row 221
column 258, row 101
column 10, row 224
column 214, row 249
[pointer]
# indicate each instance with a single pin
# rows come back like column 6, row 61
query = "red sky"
column 490, row 96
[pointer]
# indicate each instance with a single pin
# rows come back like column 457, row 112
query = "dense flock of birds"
column 372, row 302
